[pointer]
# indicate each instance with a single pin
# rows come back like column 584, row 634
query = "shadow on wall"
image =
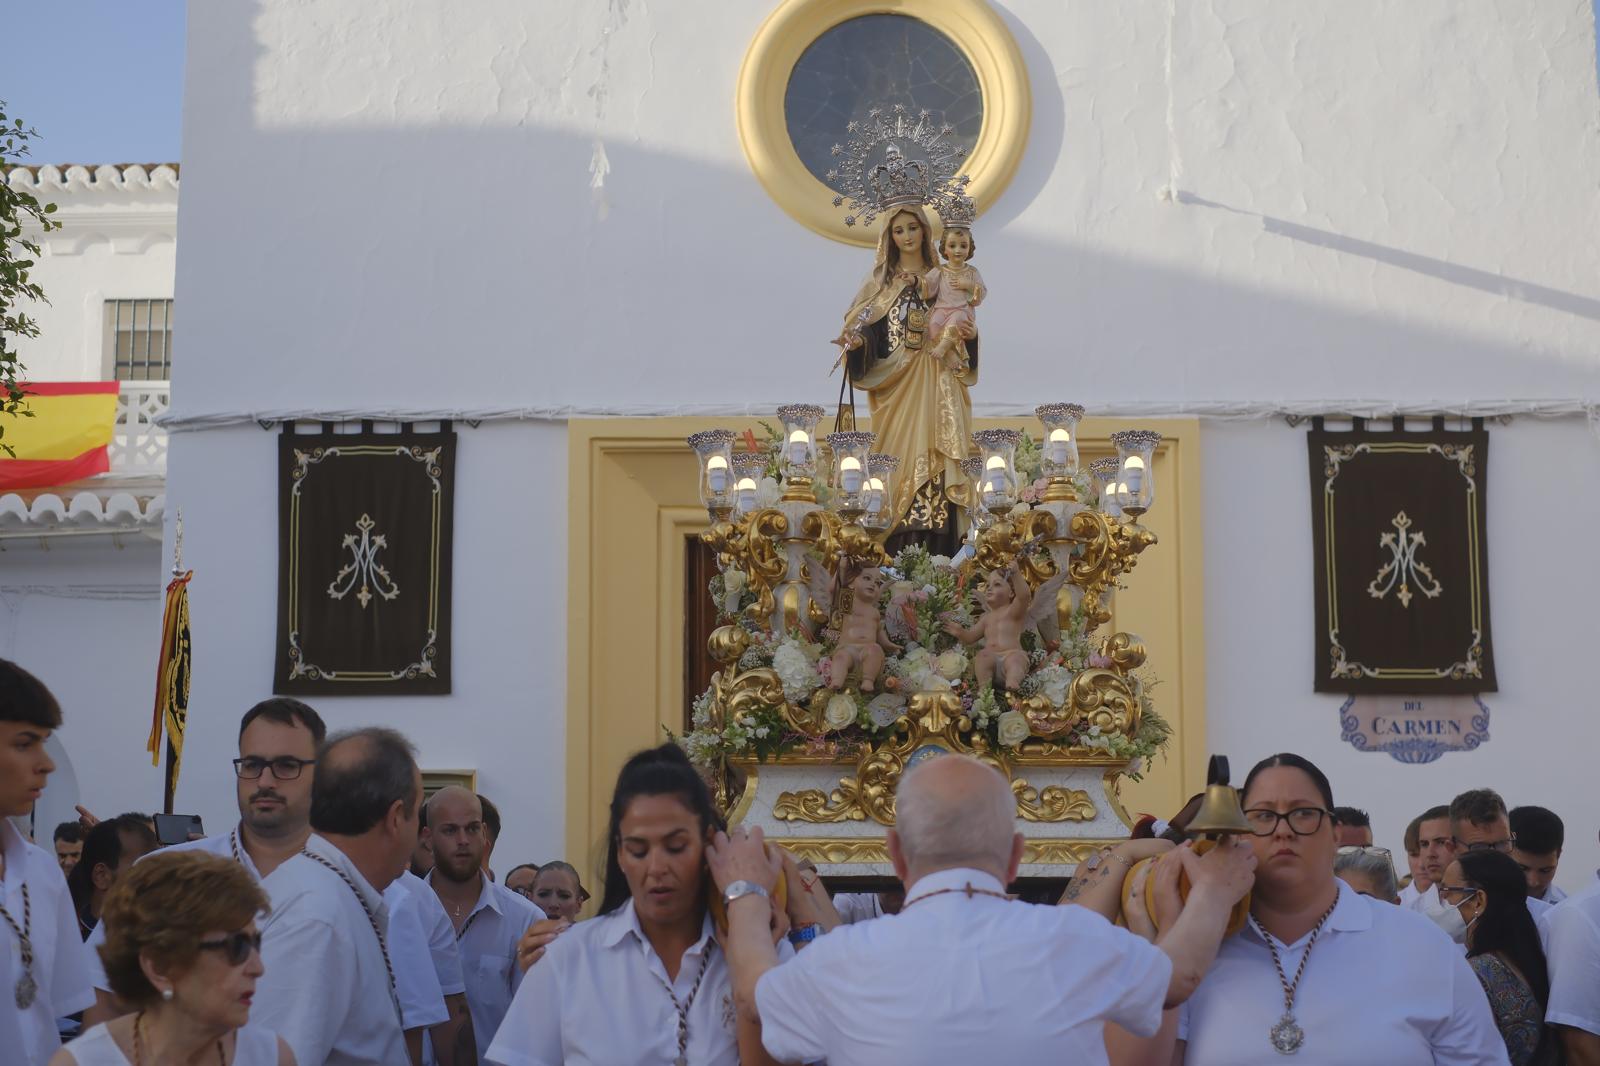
column 450, row 268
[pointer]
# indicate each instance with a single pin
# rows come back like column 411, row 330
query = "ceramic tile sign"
column 1414, row 729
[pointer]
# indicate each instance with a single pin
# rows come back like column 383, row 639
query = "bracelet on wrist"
column 804, row 934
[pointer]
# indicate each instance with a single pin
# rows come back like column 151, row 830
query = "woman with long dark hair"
column 1320, row 971
column 1491, row 893
column 645, row 981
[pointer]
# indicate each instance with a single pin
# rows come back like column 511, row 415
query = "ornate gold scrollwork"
column 1054, row 804
column 1106, row 700
column 728, row 644
column 1045, row 719
column 1106, row 550
column 872, row 851
column 813, row 805
column 762, row 557
column 876, row 778
column 1125, row 650
column 1008, row 541
column 750, row 691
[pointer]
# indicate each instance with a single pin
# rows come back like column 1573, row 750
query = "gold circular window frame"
column 975, row 29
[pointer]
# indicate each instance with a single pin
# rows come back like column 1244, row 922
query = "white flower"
column 928, row 680
column 795, row 670
column 1013, row 729
column 768, row 492
column 885, row 708
column 940, row 562
column 1054, row 683
column 840, row 712
column 951, row 665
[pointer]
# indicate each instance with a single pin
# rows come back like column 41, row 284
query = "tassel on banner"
column 172, row 674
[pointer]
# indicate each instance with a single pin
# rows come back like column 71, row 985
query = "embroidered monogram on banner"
column 364, row 562
column 1402, row 571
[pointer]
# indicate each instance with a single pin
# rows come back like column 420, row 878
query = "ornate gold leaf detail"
column 1054, row 804
column 812, row 805
column 1106, row 700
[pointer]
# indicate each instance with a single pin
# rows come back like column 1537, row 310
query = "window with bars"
column 138, row 340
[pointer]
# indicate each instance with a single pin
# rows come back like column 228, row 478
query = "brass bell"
column 1220, row 812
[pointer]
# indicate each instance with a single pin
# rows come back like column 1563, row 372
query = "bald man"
column 1042, row 981
column 489, row 918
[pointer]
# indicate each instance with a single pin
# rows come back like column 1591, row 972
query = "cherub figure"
column 862, row 638
column 955, row 288
column 1006, row 598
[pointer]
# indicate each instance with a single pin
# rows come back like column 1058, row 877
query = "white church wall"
column 390, row 207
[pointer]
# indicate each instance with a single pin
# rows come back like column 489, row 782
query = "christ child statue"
column 955, row 288
column 1006, row 597
column 862, row 638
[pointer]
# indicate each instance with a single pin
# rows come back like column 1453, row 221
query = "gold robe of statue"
column 921, row 410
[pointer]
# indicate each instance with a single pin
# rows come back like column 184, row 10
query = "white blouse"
column 1383, row 985
column 252, row 1047
column 599, row 998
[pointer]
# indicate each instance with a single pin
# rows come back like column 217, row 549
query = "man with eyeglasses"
column 1479, row 821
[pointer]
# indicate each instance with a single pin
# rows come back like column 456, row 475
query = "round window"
column 877, row 61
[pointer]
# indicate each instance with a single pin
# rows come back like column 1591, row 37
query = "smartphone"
column 178, row 828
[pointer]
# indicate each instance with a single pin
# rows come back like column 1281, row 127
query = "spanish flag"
column 66, row 438
column 172, row 684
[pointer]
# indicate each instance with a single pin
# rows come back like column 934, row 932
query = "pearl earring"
column 166, row 995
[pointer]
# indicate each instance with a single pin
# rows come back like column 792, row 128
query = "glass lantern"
column 1058, row 452
column 715, row 450
column 798, row 455
column 1136, row 483
column 998, row 485
column 748, row 470
column 1104, row 471
column 850, row 451
column 879, row 514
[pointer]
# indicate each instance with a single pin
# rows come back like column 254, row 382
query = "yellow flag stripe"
column 62, row 427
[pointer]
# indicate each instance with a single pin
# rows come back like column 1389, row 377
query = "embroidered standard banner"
column 364, row 562
column 1402, row 577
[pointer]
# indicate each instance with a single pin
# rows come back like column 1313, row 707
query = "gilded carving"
column 1106, row 700
column 873, row 851
column 813, row 805
column 1053, row 804
column 762, row 557
column 728, row 643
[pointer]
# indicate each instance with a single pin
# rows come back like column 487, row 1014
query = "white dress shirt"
column 326, row 988
column 487, row 940
column 416, row 982
column 1382, row 985
column 856, row 907
column 599, row 998
column 963, row 979
column 1409, row 895
column 60, row 964
column 1554, row 895
column 441, row 934
column 1572, row 944
column 224, row 845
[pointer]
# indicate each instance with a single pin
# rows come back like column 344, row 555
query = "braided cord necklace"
column 27, row 988
column 138, row 1044
column 683, row 1008
column 969, row 891
column 1287, row 1037
column 383, row 944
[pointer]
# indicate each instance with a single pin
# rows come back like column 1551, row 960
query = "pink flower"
column 1098, row 661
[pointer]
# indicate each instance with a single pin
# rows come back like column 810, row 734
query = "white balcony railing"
column 138, row 446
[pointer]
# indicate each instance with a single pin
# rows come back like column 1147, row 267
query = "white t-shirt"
column 599, row 998
column 253, row 1046
column 1571, row 933
column 224, row 845
column 962, row 979
column 488, row 944
column 326, row 990
column 1382, row 985
column 60, row 968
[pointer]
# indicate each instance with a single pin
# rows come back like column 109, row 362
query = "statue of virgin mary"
column 920, row 405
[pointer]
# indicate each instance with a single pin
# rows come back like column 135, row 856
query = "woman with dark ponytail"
column 645, row 981
column 1491, row 893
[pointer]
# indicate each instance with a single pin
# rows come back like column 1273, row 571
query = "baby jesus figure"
column 1006, row 598
column 862, row 638
column 955, row 289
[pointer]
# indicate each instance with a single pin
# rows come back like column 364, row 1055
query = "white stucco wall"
column 388, row 206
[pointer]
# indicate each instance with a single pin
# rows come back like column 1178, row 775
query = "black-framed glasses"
column 1303, row 821
column 1457, row 894
column 1502, row 846
column 284, row 767
column 236, row 948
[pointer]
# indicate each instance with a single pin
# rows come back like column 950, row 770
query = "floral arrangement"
column 921, row 593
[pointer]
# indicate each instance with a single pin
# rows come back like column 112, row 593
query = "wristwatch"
column 743, row 888
column 804, row 934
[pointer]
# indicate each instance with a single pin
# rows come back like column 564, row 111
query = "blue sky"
column 101, row 80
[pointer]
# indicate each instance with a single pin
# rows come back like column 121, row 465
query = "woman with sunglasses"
column 1369, row 870
column 1321, row 972
column 183, row 951
column 1489, row 891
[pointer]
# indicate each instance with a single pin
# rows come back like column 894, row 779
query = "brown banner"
column 364, row 562
column 1402, row 576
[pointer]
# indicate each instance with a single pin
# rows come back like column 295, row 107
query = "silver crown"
column 955, row 207
column 876, row 174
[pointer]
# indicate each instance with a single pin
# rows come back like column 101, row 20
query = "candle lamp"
column 714, row 447
column 748, row 470
column 997, row 485
column 1104, row 471
column 798, row 457
column 851, row 451
column 1136, row 483
column 1058, row 456
column 879, row 514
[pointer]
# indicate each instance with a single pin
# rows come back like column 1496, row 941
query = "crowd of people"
column 348, row 919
